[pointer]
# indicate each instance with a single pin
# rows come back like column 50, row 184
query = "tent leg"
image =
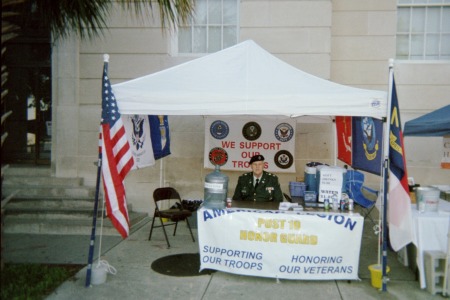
column 384, row 263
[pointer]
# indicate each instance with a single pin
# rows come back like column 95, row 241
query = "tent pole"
column 384, row 234
column 161, row 170
column 101, row 231
column 335, row 141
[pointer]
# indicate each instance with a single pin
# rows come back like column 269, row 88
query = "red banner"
column 344, row 139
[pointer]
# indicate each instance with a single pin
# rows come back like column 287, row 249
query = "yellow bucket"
column 376, row 274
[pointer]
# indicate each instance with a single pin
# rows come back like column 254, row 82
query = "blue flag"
column 367, row 140
column 159, row 128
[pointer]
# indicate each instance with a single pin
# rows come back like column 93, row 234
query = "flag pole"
column 94, row 218
column 386, row 174
column 97, row 189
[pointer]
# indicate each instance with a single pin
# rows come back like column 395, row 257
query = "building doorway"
column 29, row 127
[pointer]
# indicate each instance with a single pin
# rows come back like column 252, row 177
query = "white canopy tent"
column 247, row 80
column 244, row 80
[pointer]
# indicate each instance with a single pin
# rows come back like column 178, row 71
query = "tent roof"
column 243, row 80
column 435, row 123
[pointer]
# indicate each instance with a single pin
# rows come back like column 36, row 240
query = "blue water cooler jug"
column 311, row 176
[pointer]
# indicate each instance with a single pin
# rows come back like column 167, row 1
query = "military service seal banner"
column 231, row 141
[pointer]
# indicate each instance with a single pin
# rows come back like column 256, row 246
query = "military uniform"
column 268, row 188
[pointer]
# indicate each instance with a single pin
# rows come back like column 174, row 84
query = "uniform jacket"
column 268, row 188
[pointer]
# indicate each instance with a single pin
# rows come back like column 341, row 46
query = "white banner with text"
column 277, row 244
column 231, row 141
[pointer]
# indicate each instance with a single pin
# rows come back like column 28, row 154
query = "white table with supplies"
column 430, row 231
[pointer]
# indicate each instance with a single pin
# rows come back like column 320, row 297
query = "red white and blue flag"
column 399, row 201
column 117, row 158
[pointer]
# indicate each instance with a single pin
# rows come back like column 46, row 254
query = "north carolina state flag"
column 344, row 138
column 399, row 202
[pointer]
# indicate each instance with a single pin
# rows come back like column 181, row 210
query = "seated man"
column 258, row 185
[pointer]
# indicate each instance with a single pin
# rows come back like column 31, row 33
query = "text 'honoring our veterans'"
column 230, row 142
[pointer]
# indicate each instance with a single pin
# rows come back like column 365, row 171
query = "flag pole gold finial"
column 106, row 57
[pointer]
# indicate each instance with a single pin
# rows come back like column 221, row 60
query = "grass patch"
column 34, row 281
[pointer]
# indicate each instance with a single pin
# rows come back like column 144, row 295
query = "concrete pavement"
column 135, row 279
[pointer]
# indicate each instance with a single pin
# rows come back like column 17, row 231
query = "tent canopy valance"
column 244, row 80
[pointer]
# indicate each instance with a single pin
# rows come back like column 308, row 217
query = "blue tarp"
column 435, row 123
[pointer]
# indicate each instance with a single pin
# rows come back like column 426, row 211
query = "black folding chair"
column 176, row 214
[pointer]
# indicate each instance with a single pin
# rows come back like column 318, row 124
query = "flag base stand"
column 100, row 272
column 99, row 275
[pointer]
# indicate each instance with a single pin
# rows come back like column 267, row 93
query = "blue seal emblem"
column 284, row 132
column 219, row 129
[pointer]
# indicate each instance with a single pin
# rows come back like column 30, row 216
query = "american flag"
column 399, row 212
column 117, row 158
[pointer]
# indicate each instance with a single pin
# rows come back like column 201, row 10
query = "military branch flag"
column 344, row 138
column 159, row 127
column 367, row 140
column 117, row 158
column 137, row 128
column 399, row 202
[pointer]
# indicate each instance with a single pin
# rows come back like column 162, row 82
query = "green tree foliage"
column 88, row 18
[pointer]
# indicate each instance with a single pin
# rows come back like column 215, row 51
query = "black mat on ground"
column 185, row 264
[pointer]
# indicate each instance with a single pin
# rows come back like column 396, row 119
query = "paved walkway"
column 135, row 279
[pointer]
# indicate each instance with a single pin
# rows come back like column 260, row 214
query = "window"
column 423, row 29
column 213, row 27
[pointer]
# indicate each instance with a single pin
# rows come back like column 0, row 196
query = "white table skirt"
column 430, row 230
